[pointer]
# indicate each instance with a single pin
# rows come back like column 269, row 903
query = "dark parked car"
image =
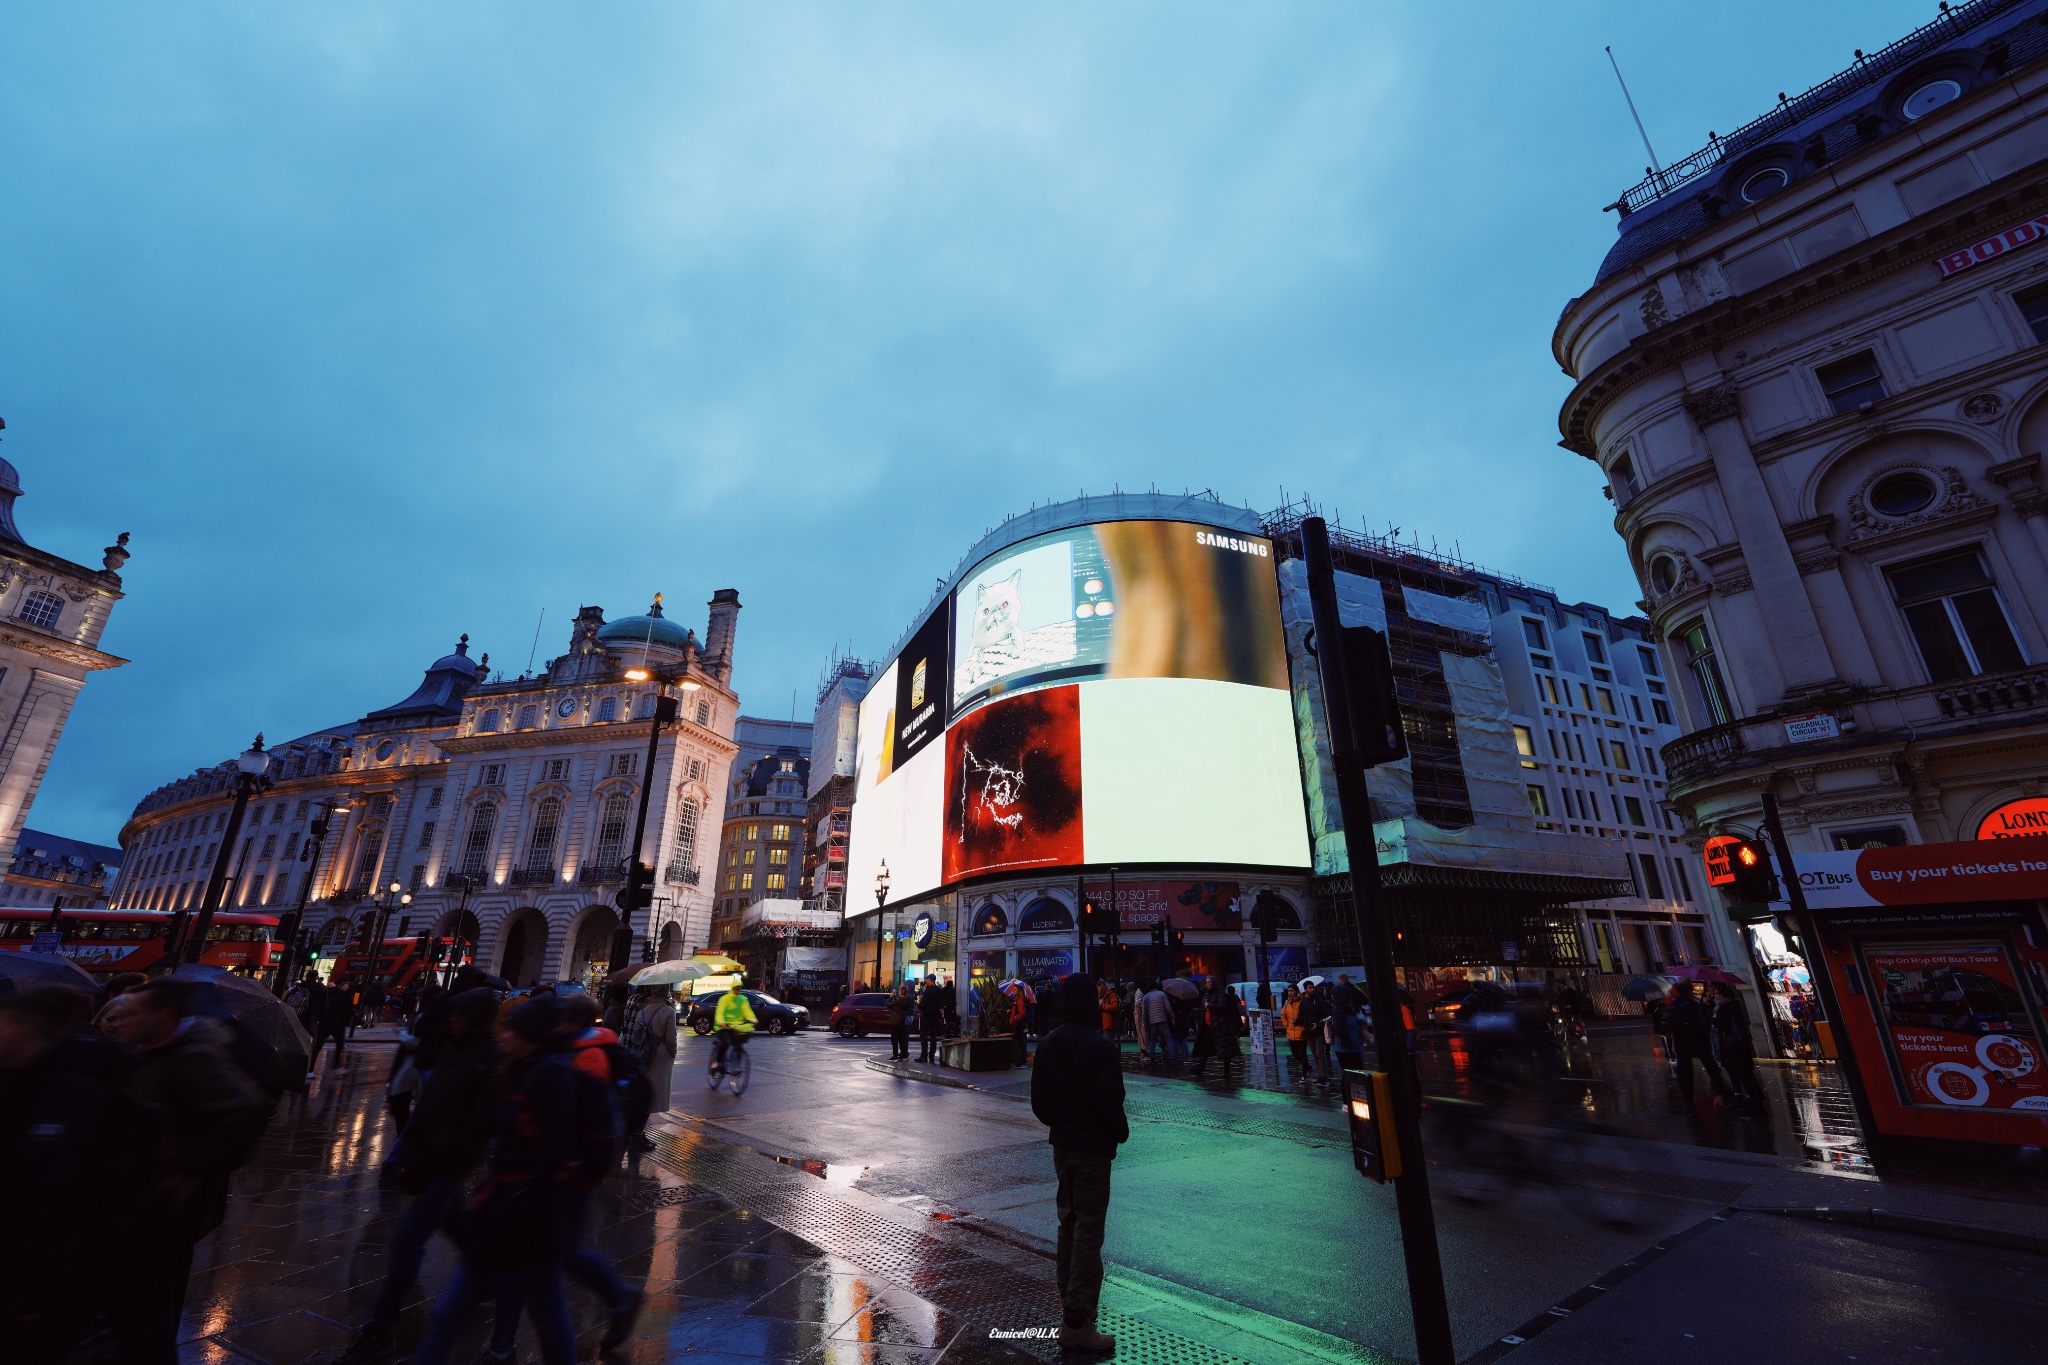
column 859, row 1015
column 770, row 1014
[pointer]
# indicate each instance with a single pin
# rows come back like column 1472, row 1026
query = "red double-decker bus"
column 401, row 962
column 109, row 941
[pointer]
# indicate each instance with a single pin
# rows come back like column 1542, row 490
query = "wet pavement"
column 906, row 1221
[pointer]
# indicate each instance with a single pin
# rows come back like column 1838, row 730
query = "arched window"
column 528, row 717
column 489, row 723
column 608, row 709
column 1044, row 914
column 540, row 848
column 367, row 860
column 476, row 849
column 991, row 920
column 683, row 858
column 41, row 609
column 611, row 833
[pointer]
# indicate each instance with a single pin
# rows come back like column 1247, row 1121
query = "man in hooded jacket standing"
column 1077, row 1092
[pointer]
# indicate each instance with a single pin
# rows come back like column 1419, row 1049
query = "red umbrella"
column 1709, row 975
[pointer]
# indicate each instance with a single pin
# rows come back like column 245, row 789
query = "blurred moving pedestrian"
column 208, row 1115
column 458, row 1105
column 1692, row 1040
column 118, row 985
column 902, row 1006
column 1347, row 1027
column 72, row 1148
column 337, row 1011
column 556, row 1134
column 1077, row 1092
column 617, row 997
column 1227, row 1024
column 1106, row 1000
column 931, row 1019
column 1290, row 1026
column 1313, row 1017
column 1160, row 1039
column 651, row 1037
column 1733, row 1048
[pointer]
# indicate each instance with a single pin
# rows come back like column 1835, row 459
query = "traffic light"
column 1375, row 1142
column 638, row 893
column 1088, row 918
column 1266, row 916
column 1375, row 709
column 1176, row 939
column 1741, row 867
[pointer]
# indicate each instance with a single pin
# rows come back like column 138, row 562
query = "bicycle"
column 734, row 1071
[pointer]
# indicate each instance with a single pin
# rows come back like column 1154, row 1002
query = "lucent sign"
column 2016, row 819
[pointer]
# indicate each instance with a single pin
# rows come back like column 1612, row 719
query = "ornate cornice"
column 1720, row 404
column 54, row 647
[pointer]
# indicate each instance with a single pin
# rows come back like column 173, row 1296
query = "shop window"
column 1045, row 915
column 1955, row 616
column 990, row 919
column 1851, row 383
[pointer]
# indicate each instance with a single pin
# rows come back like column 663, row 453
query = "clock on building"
column 566, row 707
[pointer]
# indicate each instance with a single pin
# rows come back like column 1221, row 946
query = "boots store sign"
column 1926, row 874
column 2012, row 239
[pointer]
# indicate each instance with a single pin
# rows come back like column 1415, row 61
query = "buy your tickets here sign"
column 1923, row 874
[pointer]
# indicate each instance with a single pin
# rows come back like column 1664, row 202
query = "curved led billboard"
column 1108, row 694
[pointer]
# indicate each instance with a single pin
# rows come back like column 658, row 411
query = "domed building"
column 503, row 807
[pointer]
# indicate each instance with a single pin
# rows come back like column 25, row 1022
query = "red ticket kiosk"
column 1938, row 959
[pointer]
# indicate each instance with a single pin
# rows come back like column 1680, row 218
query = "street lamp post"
column 395, row 896
column 639, row 890
column 881, row 899
column 249, row 780
column 456, row 939
column 316, row 838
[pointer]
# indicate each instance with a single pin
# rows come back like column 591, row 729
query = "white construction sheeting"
column 1459, row 613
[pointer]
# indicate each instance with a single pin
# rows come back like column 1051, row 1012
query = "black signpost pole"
column 1817, row 971
column 1427, row 1305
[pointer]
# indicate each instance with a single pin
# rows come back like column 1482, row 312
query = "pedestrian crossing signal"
column 1369, row 1106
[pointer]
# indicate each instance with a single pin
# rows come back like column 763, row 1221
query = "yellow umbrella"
column 685, row 969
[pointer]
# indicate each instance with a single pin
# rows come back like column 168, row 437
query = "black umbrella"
column 270, row 1043
column 26, row 971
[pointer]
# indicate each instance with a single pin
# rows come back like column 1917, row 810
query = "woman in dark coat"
column 1223, row 1022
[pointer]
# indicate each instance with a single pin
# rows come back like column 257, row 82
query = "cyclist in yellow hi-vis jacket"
column 734, row 1019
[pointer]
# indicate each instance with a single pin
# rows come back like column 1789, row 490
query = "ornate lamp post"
column 288, row 930
column 638, row 894
column 250, row 766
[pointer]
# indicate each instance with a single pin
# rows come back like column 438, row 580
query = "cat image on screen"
column 998, row 646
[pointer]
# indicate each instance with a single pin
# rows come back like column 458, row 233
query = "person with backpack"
column 207, row 1115
column 71, row 1145
column 556, row 1136
column 450, row 1127
column 595, row 1051
column 650, row 1037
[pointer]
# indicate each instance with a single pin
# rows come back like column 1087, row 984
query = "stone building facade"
column 504, row 806
column 52, row 614
column 1813, row 372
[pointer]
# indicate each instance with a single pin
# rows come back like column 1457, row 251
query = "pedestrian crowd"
column 123, row 1120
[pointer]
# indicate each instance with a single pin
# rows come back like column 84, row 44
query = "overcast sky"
column 377, row 323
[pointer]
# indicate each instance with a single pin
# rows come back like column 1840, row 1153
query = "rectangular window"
column 1596, row 647
column 1662, row 710
column 777, row 881
column 729, row 879
column 778, row 857
column 1652, row 882
column 1637, row 703
column 554, row 770
column 703, row 713
column 611, row 833
column 696, row 769
column 300, row 813
column 750, row 855
column 1648, row 657
column 778, row 832
column 269, row 846
column 491, row 775
column 1705, row 671
column 1532, row 631
column 291, row 845
column 1649, row 760
column 434, row 798
column 1617, row 753
column 1852, row 382
column 366, row 864
column 1955, row 616
column 1542, row 661
column 1525, row 745
column 482, row 825
column 1580, row 741
column 1539, row 802
column 1678, row 879
column 1635, row 810
column 753, row 832
column 1607, row 701
column 2034, row 308
column 1615, row 799
column 419, row 880
column 41, row 609
column 1556, row 746
column 746, row 881
column 622, row 765
column 1586, row 695
column 427, row 835
column 732, row 857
